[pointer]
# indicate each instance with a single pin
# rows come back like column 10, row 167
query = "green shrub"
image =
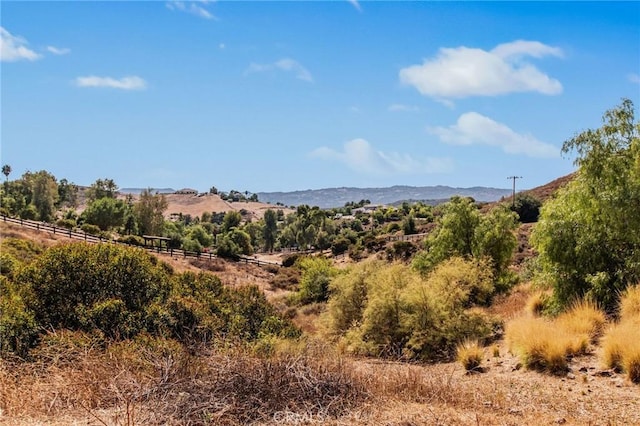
column 290, row 260
column 8, row 264
column 68, row 280
column 120, row 292
column 66, row 223
column 132, row 240
column 314, row 281
column 527, row 207
column 18, row 328
column 25, row 250
column 391, row 310
column 90, row 229
column 401, row 250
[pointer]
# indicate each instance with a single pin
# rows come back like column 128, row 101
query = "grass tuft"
column 539, row 344
column 469, row 354
column 583, row 318
column 621, row 348
column 630, row 302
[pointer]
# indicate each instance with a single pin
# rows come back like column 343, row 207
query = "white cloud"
column 359, row 155
column 287, row 65
column 125, row 83
column 462, row 71
column 58, row 51
column 14, row 48
column 356, row 4
column 193, row 7
column 473, row 128
column 634, row 78
column 403, row 108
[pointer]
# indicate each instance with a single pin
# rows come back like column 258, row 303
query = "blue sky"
column 279, row 96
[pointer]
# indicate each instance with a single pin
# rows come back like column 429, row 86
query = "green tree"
column 409, row 225
column 67, row 194
column 198, row 233
column 464, row 232
column 270, row 230
column 6, row 171
column 588, row 236
column 102, row 188
column 231, row 220
column 149, row 211
column 106, row 213
column 44, row 193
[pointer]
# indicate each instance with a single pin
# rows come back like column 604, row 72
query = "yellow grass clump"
column 539, row 344
column 583, row 318
column 469, row 354
column 621, row 348
column 536, row 303
column 630, row 302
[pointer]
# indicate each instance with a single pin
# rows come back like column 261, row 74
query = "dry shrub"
column 285, row 279
column 583, row 317
column 469, row 353
column 630, row 302
column 213, row 265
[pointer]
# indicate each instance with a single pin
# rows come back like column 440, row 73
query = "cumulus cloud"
column 286, row 65
column 634, row 78
column 473, row 128
column 359, row 155
column 193, row 7
column 58, row 51
column 14, row 48
column 462, row 71
column 125, row 83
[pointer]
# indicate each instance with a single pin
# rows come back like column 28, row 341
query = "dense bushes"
column 121, row 292
column 393, row 311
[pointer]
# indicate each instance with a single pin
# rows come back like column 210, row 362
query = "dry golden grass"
column 469, row 353
column 510, row 305
column 621, row 348
column 630, row 302
column 536, row 303
column 583, row 318
column 539, row 344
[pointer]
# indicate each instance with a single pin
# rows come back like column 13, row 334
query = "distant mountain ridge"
column 337, row 197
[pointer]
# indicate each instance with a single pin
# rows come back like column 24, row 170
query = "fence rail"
column 83, row 236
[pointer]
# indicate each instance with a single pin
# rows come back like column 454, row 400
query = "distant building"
column 186, row 191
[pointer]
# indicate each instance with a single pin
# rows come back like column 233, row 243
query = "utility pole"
column 513, row 199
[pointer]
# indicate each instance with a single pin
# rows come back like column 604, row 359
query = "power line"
column 514, row 188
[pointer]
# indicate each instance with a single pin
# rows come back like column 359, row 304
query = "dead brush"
column 241, row 389
column 145, row 383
